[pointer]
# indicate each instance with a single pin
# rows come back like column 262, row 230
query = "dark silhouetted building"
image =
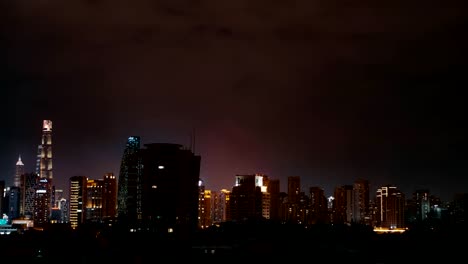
column 170, row 176
column 109, row 196
column 246, row 201
column 343, row 205
column 274, row 190
column 361, row 199
column 128, row 190
column 318, row 206
column 13, row 196
column 159, row 189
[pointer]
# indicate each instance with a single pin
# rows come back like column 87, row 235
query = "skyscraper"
column 361, row 201
column 78, row 200
column 19, row 171
column 169, row 188
column 42, row 202
column 46, row 151
column 94, row 198
column 128, row 177
column 158, row 187
column 44, row 199
column 28, row 193
column 390, row 206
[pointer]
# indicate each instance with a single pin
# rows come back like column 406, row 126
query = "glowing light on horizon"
column 381, row 230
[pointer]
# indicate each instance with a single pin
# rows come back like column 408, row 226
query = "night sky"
column 327, row 90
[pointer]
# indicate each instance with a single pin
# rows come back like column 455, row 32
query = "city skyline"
column 63, row 184
column 325, row 91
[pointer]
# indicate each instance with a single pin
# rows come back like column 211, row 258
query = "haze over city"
column 327, row 91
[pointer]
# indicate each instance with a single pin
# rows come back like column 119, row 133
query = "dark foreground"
column 277, row 244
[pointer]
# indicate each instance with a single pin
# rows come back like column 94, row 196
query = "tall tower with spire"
column 46, row 151
column 44, row 196
column 19, row 171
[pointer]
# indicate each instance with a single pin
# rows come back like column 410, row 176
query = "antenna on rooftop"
column 192, row 140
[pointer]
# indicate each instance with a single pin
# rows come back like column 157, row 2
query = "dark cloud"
column 328, row 90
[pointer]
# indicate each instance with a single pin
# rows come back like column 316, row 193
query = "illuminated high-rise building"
column 19, row 171
column 220, row 205
column 94, row 195
column 77, row 200
column 46, row 151
column 56, row 211
column 45, row 173
column 390, row 204
column 204, row 207
column 42, row 202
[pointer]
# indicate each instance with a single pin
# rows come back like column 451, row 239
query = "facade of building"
column 77, row 200
column 28, row 194
column 205, row 209
column 274, row 190
column 13, row 202
column 246, row 198
column 109, row 196
column 390, row 204
column 94, row 198
column 42, row 202
column 220, row 205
